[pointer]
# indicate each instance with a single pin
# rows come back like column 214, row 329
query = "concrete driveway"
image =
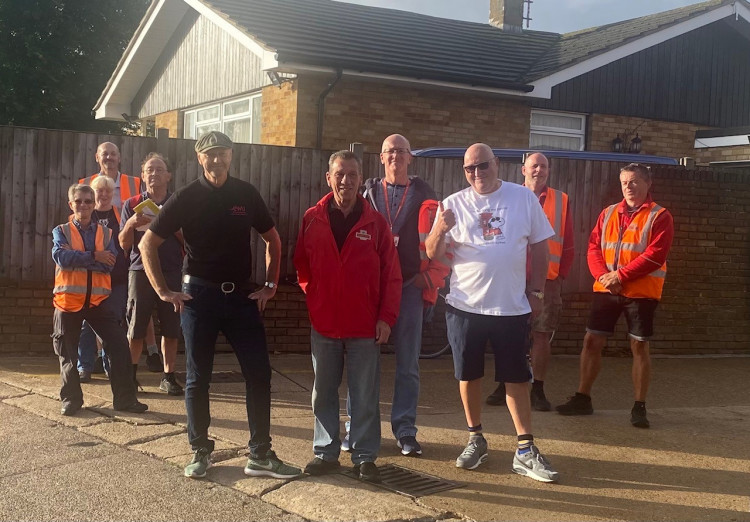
column 693, row 464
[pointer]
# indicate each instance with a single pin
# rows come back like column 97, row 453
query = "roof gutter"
column 322, row 108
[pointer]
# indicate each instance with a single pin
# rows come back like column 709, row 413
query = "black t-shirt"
column 341, row 225
column 108, row 218
column 216, row 225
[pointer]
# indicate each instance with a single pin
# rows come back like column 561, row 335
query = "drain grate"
column 409, row 482
column 219, row 377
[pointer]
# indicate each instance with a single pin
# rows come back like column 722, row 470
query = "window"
column 557, row 130
column 239, row 119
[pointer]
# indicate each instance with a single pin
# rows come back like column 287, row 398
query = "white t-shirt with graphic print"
column 489, row 245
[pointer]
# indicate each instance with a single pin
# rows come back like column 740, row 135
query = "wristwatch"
column 270, row 284
column 536, row 293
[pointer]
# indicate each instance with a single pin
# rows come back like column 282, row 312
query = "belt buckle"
column 227, row 287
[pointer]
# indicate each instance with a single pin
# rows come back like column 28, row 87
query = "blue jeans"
column 116, row 302
column 407, row 342
column 208, row 312
column 363, row 378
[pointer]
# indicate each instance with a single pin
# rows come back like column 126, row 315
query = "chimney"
column 507, row 15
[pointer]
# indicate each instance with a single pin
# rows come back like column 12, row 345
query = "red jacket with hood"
column 349, row 291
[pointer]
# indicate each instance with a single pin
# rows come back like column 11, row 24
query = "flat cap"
column 213, row 140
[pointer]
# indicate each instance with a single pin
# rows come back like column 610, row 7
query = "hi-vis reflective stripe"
column 132, row 187
column 618, row 245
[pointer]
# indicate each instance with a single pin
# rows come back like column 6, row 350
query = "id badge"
column 395, row 240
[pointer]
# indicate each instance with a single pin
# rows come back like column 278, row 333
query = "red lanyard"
column 400, row 205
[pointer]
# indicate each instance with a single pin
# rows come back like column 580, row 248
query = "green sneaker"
column 270, row 467
column 200, row 463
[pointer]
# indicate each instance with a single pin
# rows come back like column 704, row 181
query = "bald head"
column 481, row 168
column 108, row 158
column 535, row 172
column 396, row 156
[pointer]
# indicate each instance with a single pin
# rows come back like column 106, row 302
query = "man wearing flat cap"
column 216, row 213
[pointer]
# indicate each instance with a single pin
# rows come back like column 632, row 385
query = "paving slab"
column 313, row 497
column 67, row 494
column 29, row 442
column 176, row 449
column 231, row 473
column 7, row 391
column 125, row 433
column 50, row 409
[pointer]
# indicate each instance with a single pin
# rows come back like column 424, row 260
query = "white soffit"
column 148, row 44
column 543, row 86
column 722, row 141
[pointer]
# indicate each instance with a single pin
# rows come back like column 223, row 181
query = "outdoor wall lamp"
column 635, row 145
column 620, row 145
column 617, row 144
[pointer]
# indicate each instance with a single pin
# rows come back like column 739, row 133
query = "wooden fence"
column 706, row 306
column 38, row 165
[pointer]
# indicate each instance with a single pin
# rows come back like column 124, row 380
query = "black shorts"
column 606, row 310
column 142, row 298
column 508, row 336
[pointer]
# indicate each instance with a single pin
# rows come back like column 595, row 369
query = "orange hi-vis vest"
column 76, row 288
column 129, row 186
column 433, row 271
column 556, row 209
column 620, row 247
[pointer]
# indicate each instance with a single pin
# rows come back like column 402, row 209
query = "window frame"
column 189, row 128
column 544, row 130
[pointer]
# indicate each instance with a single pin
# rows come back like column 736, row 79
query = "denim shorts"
column 606, row 310
column 508, row 336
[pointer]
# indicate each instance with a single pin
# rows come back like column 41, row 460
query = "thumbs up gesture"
column 445, row 220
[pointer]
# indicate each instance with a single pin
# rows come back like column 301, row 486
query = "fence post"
column 162, row 141
column 358, row 149
column 688, row 162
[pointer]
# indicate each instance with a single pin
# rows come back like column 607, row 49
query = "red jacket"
column 349, row 291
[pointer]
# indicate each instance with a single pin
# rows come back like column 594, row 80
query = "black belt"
column 227, row 286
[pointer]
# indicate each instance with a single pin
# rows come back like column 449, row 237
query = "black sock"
column 537, row 385
column 475, row 431
column 168, row 375
column 524, row 443
column 640, row 405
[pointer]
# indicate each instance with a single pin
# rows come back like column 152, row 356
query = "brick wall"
column 170, row 120
column 660, row 138
column 26, row 319
column 367, row 112
column 736, row 153
column 279, row 114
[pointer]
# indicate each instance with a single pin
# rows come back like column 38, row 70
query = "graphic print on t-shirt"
column 492, row 223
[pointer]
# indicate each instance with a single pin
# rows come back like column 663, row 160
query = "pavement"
column 693, row 464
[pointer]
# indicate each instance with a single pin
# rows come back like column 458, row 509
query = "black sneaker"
column 170, row 385
column 153, row 363
column 70, row 408
column 136, row 407
column 638, row 417
column 539, row 401
column 578, row 404
column 318, row 466
column 84, row 376
column 497, row 397
column 368, row 472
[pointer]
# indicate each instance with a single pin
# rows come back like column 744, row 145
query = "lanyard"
column 400, row 205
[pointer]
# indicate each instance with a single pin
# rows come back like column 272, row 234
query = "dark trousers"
column 204, row 316
column 65, row 337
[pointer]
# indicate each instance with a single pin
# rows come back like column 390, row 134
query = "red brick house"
column 321, row 73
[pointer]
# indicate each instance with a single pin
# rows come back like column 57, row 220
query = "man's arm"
column 131, row 222
column 435, row 243
column 655, row 255
column 301, row 261
column 273, row 263
column 539, row 253
column 149, row 247
column 65, row 257
column 390, row 285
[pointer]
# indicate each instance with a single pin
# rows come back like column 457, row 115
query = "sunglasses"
column 479, row 166
column 83, row 201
